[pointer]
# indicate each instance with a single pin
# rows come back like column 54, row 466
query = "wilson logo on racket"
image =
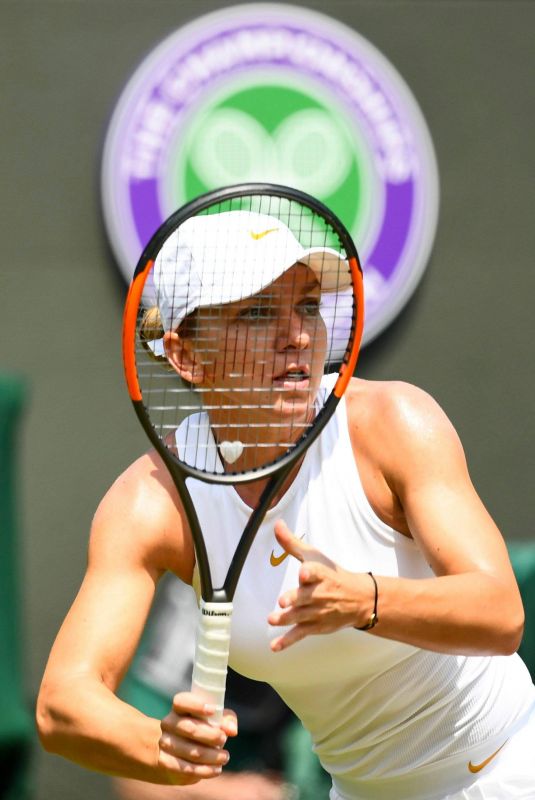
column 213, row 612
column 275, row 561
column 257, row 236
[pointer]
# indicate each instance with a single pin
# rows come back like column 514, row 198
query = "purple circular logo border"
column 405, row 235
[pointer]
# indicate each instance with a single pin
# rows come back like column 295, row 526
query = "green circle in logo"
column 276, row 133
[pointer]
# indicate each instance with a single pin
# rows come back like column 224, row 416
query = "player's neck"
column 250, row 492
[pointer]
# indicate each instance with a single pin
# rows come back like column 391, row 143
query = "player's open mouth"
column 297, row 377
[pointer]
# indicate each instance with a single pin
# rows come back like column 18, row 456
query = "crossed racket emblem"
column 308, row 149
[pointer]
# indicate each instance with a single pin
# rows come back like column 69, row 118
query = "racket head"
column 240, row 302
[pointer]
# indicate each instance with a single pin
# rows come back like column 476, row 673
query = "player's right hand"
column 191, row 747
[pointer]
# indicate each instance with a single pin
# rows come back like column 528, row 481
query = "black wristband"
column 374, row 619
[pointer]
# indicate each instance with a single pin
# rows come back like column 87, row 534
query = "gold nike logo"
column 478, row 767
column 275, row 561
column 257, row 236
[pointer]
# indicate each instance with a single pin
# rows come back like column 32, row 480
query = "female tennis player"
column 378, row 598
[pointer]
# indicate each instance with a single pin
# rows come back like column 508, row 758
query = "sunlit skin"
column 258, row 363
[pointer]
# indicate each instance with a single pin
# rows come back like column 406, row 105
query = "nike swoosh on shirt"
column 276, row 560
column 478, row 767
column 257, row 236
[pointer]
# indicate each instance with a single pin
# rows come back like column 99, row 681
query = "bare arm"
column 138, row 533
column 473, row 605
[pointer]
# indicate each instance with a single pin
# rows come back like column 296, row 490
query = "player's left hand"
column 328, row 597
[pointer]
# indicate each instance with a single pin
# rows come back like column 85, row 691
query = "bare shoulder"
column 395, row 403
column 394, row 420
column 141, row 518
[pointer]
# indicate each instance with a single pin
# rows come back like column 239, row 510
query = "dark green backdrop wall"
column 467, row 335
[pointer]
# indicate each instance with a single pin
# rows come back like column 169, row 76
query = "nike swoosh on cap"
column 478, row 767
column 257, row 236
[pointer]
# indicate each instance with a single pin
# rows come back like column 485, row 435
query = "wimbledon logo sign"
column 282, row 94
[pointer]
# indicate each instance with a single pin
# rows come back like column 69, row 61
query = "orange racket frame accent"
column 129, row 331
column 347, row 369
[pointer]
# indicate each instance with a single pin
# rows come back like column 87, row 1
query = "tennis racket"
column 239, row 304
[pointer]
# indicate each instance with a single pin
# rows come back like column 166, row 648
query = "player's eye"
column 309, row 307
column 257, row 311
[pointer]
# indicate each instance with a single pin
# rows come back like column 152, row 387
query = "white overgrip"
column 211, row 655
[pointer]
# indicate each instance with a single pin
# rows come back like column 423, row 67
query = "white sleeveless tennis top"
column 374, row 707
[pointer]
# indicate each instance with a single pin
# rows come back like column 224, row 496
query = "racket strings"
column 243, row 381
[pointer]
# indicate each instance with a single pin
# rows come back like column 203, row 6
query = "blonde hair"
column 151, row 330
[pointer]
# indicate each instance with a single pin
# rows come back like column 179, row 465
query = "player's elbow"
column 509, row 644
column 48, row 719
column 515, row 637
column 511, row 632
column 44, row 722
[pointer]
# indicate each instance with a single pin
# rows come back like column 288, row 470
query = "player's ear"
column 182, row 358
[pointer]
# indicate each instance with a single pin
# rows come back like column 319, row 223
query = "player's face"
column 267, row 351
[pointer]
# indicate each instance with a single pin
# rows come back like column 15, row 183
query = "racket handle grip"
column 211, row 655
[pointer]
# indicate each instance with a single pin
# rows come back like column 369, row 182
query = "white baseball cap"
column 214, row 259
